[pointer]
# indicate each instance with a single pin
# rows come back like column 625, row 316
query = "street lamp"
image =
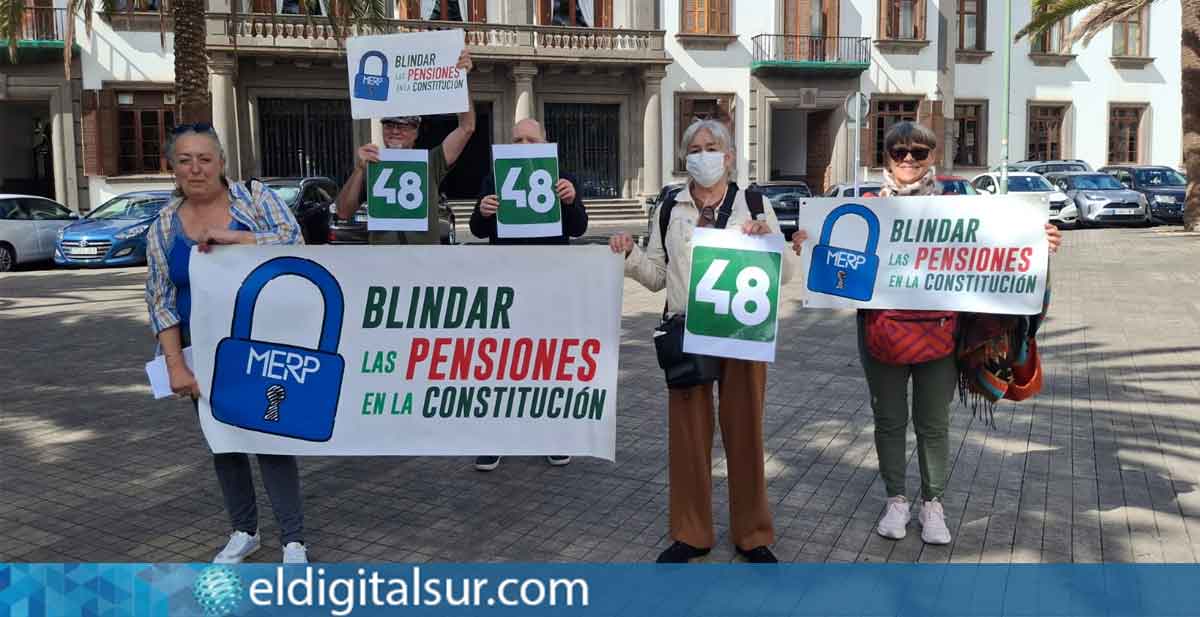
column 1006, row 58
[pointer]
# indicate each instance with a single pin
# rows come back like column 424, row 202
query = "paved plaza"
column 1103, row 466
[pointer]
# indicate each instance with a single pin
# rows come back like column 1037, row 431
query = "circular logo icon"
column 218, row 590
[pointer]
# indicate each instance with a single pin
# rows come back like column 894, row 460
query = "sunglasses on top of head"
column 899, row 154
column 199, row 127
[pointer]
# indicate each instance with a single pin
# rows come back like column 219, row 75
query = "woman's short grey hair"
column 719, row 132
column 909, row 133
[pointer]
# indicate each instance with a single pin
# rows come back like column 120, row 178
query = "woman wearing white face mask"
column 702, row 203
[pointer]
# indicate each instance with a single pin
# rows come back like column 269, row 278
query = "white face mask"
column 707, row 168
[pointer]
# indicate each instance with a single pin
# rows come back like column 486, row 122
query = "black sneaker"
column 758, row 554
column 558, row 460
column 486, row 463
column 681, row 552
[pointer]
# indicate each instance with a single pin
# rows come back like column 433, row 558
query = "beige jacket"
column 650, row 268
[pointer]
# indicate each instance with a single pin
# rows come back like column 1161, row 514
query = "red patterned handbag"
column 910, row 337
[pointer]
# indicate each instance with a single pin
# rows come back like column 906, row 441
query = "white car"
column 1062, row 208
column 28, row 228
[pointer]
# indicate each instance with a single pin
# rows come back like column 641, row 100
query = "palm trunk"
column 1190, row 82
column 191, row 62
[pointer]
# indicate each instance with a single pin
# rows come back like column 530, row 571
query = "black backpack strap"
column 754, row 201
column 727, row 207
column 664, row 219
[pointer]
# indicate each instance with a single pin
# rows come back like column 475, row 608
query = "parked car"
column 309, row 200
column 1165, row 189
column 1062, row 210
column 28, row 227
column 1045, row 167
column 846, row 189
column 1100, row 198
column 786, row 198
column 354, row 229
column 113, row 234
column 954, row 185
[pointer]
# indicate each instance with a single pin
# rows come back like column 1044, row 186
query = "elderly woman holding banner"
column 742, row 383
column 208, row 210
column 932, row 367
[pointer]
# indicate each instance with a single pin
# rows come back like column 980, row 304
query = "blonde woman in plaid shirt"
column 208, row 210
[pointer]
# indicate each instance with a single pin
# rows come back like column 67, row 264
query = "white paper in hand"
column 160, row 379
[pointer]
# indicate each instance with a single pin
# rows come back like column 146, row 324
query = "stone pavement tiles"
column 1103, row 466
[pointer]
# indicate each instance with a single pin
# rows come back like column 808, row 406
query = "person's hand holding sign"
column 222, row 235
column 489, row 205
column 464, row 61
column 798, row 238
column 1053, row 237
column 621, row 243
column 565, row 191
column 367, row 154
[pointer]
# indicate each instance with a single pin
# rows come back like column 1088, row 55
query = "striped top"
column 263, row 213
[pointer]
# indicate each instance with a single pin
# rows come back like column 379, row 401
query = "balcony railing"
column 42, row 24
column 852, row 53
column 299, row 32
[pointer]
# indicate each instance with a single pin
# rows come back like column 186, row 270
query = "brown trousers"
column 742, row 391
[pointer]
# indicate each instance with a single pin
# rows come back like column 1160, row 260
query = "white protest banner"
column 398, row 191
column 409, row 74
column 320, row 351
column 984, row 254
column 525, row 177
column 733, row 295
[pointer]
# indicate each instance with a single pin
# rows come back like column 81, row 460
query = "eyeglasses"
column 918, row 154
column 199, row 127
column 400, row 125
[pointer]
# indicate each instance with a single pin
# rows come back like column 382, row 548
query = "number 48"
column 752, row 284
column 540, row 196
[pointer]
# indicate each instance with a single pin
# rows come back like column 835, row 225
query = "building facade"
column 782, row 70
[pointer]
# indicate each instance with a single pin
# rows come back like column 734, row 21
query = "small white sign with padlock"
column 409, row 74
column 983, row 254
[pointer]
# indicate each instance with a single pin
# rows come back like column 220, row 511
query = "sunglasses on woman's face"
column 918, row 154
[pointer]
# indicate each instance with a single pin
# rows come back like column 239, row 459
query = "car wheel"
column 8, row 258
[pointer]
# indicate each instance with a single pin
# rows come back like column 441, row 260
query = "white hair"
column 719, row 132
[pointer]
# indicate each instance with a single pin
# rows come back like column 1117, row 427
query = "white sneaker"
column 894, row 522
column 933, row 523
column 294, row 552
column 241, row 545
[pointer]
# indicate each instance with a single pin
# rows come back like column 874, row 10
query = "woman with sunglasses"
column 909, row 147
column 207, row 210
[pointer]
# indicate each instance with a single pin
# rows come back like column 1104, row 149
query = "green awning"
column 35, row 51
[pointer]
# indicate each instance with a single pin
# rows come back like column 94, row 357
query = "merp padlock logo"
column 372, row 86
column 277, row 388
column 846, row 272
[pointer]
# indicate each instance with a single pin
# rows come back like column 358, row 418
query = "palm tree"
column 191, row 58
column 1101, row 14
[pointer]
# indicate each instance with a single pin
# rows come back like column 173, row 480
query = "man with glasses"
column 400, row 132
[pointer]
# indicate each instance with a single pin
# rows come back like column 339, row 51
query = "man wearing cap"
column 401, row 132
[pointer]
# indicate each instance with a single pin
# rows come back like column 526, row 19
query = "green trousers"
column 934, row 384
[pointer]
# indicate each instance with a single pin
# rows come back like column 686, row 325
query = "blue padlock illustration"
column 841, row 271
column 372, row 86
column 276, row 388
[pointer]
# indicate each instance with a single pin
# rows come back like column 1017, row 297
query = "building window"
column 887, row 113
column 142, row 127
column 970, row 135
column 1124, row 129
column 576, row 13
column 1052, row 41
column 1046, row 132
column 971, row 24
column 700, row 106
column 705, row 17
column 138, row 5
column 1129, row 34
column 902, row 19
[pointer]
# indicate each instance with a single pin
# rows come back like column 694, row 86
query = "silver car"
column 29, row 227
column 1101, row 198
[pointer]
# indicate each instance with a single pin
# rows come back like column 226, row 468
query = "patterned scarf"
column 923, row 186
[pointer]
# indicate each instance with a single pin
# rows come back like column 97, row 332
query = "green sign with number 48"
column 526, row 175
column 733, row 296
column 397, row 193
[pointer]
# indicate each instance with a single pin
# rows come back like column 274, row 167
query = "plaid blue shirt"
column 263, row 213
